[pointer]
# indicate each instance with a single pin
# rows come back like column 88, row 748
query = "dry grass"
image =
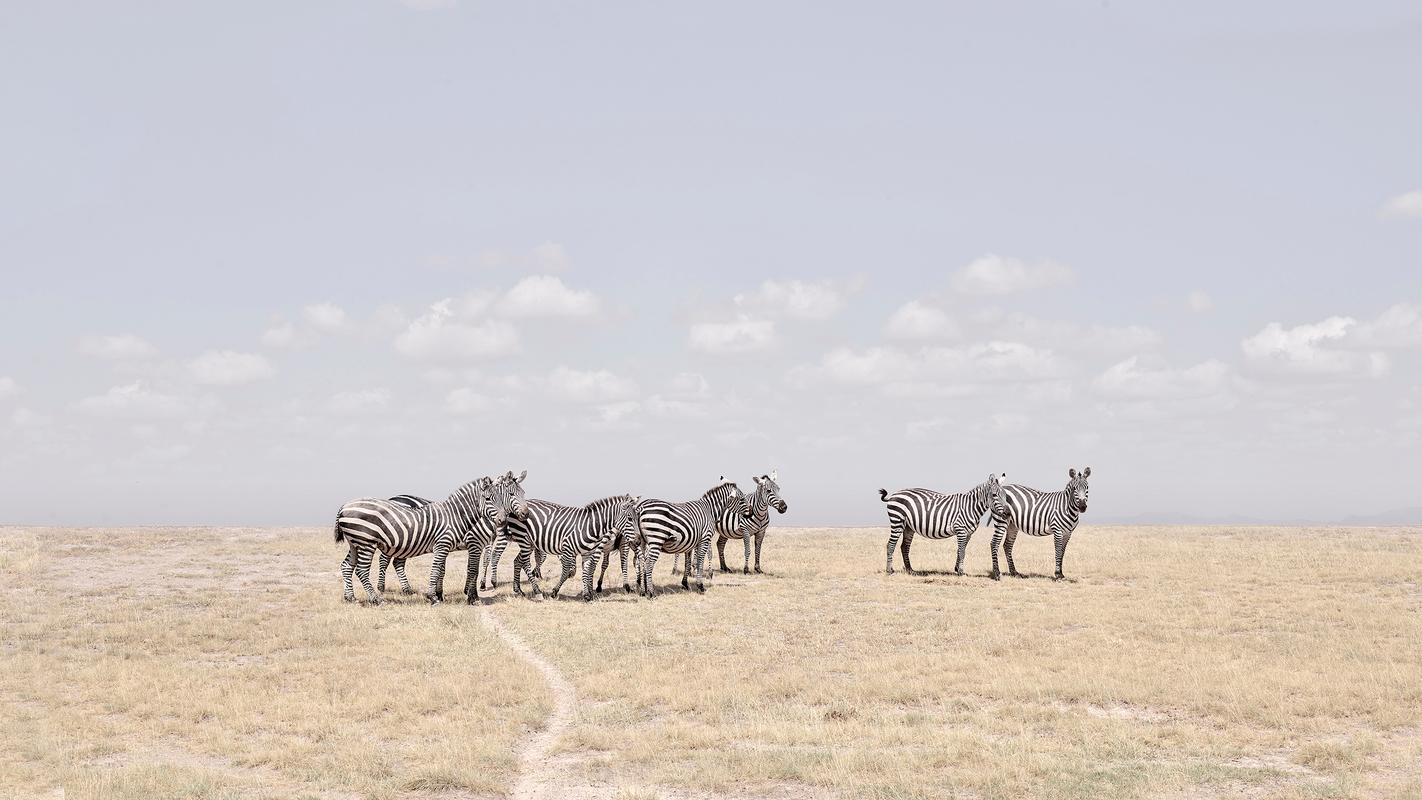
column 1181, row 663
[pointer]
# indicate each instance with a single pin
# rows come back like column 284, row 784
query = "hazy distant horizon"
column 262, row 259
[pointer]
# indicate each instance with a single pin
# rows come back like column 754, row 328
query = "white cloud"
column 439, row 334
column 891, row 367
column 918, row 320
column 618, row 413
column 1141, row 379
column 1302, row 348
column 740, row 335
column 358, row 401
column 281, row 335
column 1398, row 326
column 1199, row 302
column 1065, row 336
column 8, row 387
column 25, row 419
column 689, row 383
column 133, row 400
column 796, row 299
column 466, row 400
column 590, row 386
column 1405, row 205
column 551, row 256
column 547, row 296
column 664, row 406
column 124, row 347
column 994, row 274
column 229, row 368
column 325, row 316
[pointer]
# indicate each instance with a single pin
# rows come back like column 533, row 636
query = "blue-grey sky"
column 263, row 258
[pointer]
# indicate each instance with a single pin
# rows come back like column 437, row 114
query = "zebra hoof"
column 1017, row 574
column 434, row 601
column 627, row 587
column 472, row 600
column 745, row 571
column 889, row 571
column 995, row 575
column 758, row 572
column 350, row 598
column 407, row 591
column 700, row 588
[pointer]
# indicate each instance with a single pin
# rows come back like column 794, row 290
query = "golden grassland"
column 1178, row 663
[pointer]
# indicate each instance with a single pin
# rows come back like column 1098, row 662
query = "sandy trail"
column 536, row 779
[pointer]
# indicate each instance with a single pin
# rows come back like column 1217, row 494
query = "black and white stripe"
column 573, row 534
column 1036, row 513
column 408, row 501
column 666, row 527
column 936, row 516
column 731, row 525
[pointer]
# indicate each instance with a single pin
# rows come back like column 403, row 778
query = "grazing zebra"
column 1039, row 514
column 572, row 533
column 682, row 528
column 399, row 531
column 937, row 516
column 730, row 525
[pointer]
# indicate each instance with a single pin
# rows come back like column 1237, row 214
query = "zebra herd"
column 1014, row 509
column 484, row 516
column 488, row 514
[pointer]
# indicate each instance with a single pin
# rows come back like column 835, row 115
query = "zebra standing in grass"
column 1039, row 514
column 574, row 534
column 408, row 501
column 730, row 525
column 399, row 531
column 682, row 528
column 937, row 516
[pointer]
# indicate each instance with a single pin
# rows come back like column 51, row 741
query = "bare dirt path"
column 537, row 778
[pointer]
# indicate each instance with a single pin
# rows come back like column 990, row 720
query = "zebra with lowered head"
column 731, row 525
column 666, row 527
column 574, row 534
column 401, row 532
column 1038, row 513
column 937, row 516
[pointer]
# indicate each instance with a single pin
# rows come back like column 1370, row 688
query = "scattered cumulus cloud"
column 993, row 275
column 123, row 347
column 547, row 296
column 889, row 366
column 359, row 401
column 229, row 368
column 466, row 400
column 741, row 335
column 590, row 386
column 796, row 299
column 325, row 316
column 1313, row 348
column 1066, row 336
column 441, row 334
column 1398, row 327
column 1140, row 378
column 133, row 400
column 1407, row 205
column 1199, row 302
column 919, row 320
column 279, row 335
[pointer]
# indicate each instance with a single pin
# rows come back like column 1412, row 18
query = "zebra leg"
column 676, row 566
column 570, row 565
column 963, row 536
column 702, row 549
column 380, row 579
column 538, row 557
column 649, row 562
column 399, row 565
column 498, row 553
column 745, row 566
column 471, row 574
column 533, row 575
column 1060, row 539
column 436, row 592
column 362, row 570
column 622, row 553
column 347, row 568
column 686, row 573
column 589, row 564
column 721, row 551
column 759, row 538
column 896, row 530
column 904, row 548
column 999, row 529
column 1007, row 548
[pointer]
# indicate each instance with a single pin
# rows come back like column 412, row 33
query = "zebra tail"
column 883, row 496
column 340, row 535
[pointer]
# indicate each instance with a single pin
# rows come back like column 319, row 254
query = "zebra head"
column 727, row 494
column 486, row 502
column 1078, row 489
column 508, row 493
column 992, row 487
column 768, row 491
column 625, row 520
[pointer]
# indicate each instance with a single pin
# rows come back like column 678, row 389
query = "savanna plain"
column 1177, row 662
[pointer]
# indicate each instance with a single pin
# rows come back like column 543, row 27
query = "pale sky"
column 263, row 258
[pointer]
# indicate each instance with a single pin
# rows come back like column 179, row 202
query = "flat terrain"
column 1178, row 663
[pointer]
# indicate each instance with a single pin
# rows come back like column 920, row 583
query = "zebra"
column 399, row 531
column 730, row 525
column 624, row 542
column 408, row 501
column 937, row 516
column 682, row 528
column 573, row 533
column 1038, row 513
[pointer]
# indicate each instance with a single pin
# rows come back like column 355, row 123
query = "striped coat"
column 937, row 516
column 573, row 534
column 1036, row 513
column 731, row 525
column 669, row 527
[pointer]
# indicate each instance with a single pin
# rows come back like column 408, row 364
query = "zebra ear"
column 521, row 476
column 774, row 475
column 757, row 479
column 1071, row 473
column 1086, row 473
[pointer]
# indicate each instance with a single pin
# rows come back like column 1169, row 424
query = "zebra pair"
column 466, row 519
column 1013, row 509
column 731, row 525
column 576, row 535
